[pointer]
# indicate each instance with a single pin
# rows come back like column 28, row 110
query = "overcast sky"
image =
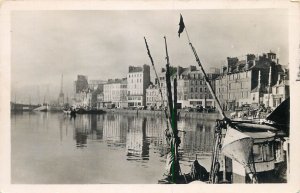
column 102, row 44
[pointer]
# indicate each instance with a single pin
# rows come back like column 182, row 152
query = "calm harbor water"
column 51, row 148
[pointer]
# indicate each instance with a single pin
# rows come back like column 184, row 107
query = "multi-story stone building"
column 240, row 82
column 96, row 84
column 81, row 84
column 115, row 93
column 279, row 92
column 138, row 80
column 153, row 98
column 192, row 89
column 100, row 100
column 86, row 91
column 81, row 89
column 96, row 88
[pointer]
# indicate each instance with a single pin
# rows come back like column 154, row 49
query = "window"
column 196, row 89
column 185, row 97
column 257, row 153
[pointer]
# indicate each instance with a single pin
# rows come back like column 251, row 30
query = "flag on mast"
column 181, row 26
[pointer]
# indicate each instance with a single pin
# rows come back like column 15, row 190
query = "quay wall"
column 182, row 114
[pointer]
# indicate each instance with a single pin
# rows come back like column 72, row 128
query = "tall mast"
column 269, row 86
column 61, row 84
column 61, row 96
column 181, row 28
column 38, row 95
column 159, row 85
column 208, row 82
column 174, row 140
column 168, row 83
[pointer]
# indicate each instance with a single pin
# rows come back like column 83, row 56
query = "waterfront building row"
column 251, row 81
column 254, row 80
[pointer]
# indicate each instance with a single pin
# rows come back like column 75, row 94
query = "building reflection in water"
column 96, row 122
column 88, row 127
column 114, row 130
column 82, row 129
column 139, row 135
column 137, row 145
column 156, row 133
column 197, row 139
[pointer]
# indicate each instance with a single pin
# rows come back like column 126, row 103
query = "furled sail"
column 237, row 146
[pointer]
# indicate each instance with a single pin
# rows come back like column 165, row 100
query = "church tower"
column 61, row 94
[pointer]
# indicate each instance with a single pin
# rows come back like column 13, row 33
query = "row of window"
column 201, row 96
column 134, row 92
column 135, row 75
column 200, row 89
column 114, row 86
column 195, row 76
column 239, row 75
column 238, row 85
column 196, row 82
column 130, row 98
column 135, row 86
column 153, row 99
column 138, row 80
column 238, row 95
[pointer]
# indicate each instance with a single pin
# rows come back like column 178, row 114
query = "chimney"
column 258, row 85
column 269, row 82
column 246, row 65
column 278, row 80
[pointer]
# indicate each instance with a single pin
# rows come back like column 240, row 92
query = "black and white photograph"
column 150, row 96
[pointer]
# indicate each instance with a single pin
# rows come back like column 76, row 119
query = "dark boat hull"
column 83, row 111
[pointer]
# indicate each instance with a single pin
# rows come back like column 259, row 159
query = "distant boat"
column 67, row 111
column 43, row 108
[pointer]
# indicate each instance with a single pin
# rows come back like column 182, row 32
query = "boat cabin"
column 258, row 152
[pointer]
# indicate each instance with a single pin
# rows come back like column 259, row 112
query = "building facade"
column 138, row 80
column 192, row 89
column 246, row 81
column 115, row 93
column 152, row 96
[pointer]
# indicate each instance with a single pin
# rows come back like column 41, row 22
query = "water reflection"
column 128, row 142
column 137, row 144
column 138, row 134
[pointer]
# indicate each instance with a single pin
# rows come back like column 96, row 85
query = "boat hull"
column 83, row 111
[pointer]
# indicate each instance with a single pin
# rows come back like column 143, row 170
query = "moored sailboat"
column 244, row 152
